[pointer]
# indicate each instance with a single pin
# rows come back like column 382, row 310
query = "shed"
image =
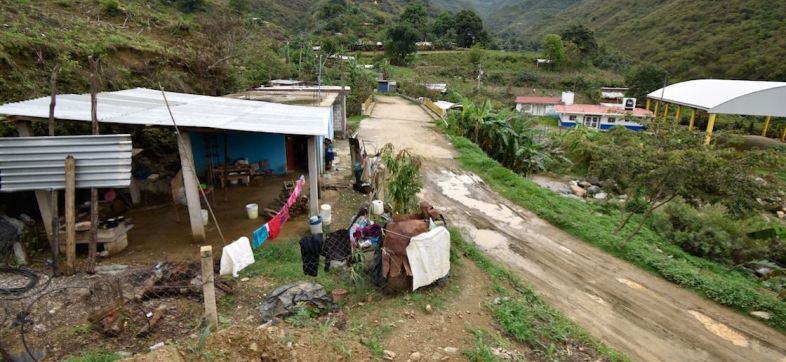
column 537, row 106
column 195, row 114
column 722, row 96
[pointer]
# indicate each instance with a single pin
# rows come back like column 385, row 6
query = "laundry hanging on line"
column 272, row 228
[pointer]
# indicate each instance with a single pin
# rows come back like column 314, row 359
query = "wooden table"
column 223, row 173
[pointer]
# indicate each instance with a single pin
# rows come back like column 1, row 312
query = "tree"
column 444, row 24
column 401, row 43
column 645, row 78
column 554, row 49
column 584, row 39
column 414, row 14
column 469, row 29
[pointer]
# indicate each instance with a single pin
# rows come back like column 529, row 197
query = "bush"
column 111, row 7
column 525, row 78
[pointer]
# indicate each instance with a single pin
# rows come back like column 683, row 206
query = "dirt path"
column 632, row 310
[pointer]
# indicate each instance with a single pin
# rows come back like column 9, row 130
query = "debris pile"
column 298, row 208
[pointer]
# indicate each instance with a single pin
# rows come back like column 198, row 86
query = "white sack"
column 429, row 256
column 236, row 256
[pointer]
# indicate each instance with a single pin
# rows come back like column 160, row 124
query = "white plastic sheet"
column 236, row 256
column 429, row 256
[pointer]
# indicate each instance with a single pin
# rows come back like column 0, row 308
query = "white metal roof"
column 145, row 107
column 744, row 97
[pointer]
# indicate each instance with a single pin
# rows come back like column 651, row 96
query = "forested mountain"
column 743, row 39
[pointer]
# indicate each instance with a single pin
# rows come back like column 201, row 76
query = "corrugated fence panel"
column 37, row 163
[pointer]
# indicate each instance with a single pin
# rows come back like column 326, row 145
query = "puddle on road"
column 631, row 284
column 490, row 239
column 457, row 187
column 720, row 329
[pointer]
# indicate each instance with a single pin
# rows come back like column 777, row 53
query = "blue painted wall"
column 254, row 146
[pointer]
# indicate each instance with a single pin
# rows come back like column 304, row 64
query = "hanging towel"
column 429, row 256
column 260, row 236
column 236, row 256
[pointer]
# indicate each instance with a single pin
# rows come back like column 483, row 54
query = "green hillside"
column 691, row 38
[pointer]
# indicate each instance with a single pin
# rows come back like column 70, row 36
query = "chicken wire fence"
column 129, row 310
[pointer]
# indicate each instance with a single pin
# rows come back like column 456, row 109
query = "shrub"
column 111, row 7
column 525, row 78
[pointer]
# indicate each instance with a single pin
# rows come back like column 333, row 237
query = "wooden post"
column 43, row 198
column 657, row 107
column 70, row 214
column 766, row 126
column 710, row 126
column 313, row 176
column 677, row 115
column 692, row 119
column 648, row 104
column 208, row 287
column 54, row 242
column 191, row 185
column 91, row 255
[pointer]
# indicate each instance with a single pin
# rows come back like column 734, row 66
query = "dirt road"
column 632, row 310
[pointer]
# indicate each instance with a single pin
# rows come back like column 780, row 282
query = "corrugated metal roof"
column 38, row 163
column 537, row 100
column 145, row 107
column 744, row 97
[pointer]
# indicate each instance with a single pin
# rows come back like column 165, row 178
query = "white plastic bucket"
column 315, row 224
column 377, row 207
column 205, row 217
column 326, row 214
column 253, row 211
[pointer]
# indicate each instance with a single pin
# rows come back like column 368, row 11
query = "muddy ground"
column 630, row 309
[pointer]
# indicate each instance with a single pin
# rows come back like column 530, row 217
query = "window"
column 572, row 118
column 612, row 120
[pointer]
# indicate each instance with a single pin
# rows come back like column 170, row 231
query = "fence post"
column 70, row 214
column 208, row 287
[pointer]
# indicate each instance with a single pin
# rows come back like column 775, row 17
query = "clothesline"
column 272, row 228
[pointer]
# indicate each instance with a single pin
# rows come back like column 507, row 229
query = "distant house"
column 437, row 87
column 601, row 117
column 537, row 106
column 612, row 96
column 386, row 86
column 286, row 83
column 424, row 45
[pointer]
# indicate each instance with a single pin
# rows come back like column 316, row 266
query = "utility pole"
column 319, row 79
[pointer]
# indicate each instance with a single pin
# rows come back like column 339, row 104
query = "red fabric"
column 275, row 224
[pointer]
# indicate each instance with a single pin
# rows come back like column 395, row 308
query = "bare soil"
column 630, row 309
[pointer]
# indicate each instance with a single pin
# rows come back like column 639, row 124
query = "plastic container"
column 233, row 181
column 253, row 211
column 315, row 223
column 205, row 217
column 325, row 212
column 338, row 294
column 377, row 207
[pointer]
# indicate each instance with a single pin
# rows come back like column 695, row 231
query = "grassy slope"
column 142, row 43
column 501, row 72
column 743, row 39
column 647, row 250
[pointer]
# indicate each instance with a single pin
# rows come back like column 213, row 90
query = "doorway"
column 297, row 153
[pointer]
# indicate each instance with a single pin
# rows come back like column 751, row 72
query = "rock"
column 123, row 354
column 389, row 355
column 253, row 346
column 601, row 196
column 436, row 356
column 607, row 183
column 763, row 271
column 450, row 350
column 592, row 190
column 244, row 279
column 415, row 356
column 781, row 214
column 157, row 346
column 761, row 314
column 594, row 180
column 578, row 191
column 429, row 310
column 585, row 184
column 111, row 269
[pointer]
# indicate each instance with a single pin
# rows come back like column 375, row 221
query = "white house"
column 600, row 116
column 612, row 96
column 537, row 106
